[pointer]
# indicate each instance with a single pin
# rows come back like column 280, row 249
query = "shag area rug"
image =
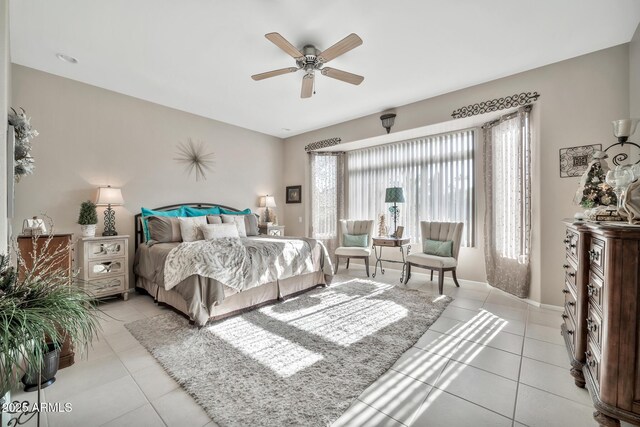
column 300, row 362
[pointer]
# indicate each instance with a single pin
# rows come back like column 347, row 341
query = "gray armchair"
column 348, row 226
column 437, row 231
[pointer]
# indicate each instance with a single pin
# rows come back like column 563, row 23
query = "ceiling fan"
column 311, row 60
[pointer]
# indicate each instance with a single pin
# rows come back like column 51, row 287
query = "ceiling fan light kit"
column 310, row 60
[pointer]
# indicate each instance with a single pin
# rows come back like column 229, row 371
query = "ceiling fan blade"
column 274, row 73
column 344, row 76
column 307, row 86
column 343, row 46
column 283, row 44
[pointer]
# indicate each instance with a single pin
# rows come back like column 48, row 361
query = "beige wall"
column 634, row 78
column 91, row 137
column 579, row 99
column 4, row 97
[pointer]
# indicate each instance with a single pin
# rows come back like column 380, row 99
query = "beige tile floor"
column 489, row 360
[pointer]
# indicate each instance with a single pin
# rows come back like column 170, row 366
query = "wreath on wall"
column 24, row 163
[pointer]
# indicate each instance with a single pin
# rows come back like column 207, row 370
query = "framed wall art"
column 574, row 160
column 294, row 194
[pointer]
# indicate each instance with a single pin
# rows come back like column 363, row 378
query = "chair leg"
column 337, row 263
column 366, row 264
column 432, row 275
column 455, row 279
column 407, row 272
column 348, row 259
column 440, row 280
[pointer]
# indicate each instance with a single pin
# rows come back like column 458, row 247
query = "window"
column 435, row 172
column 326, row 194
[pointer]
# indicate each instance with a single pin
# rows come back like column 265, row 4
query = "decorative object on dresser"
column 440, row 249
column 55, row 252
column 357, row 238
column 271, row 229
column 33, row 226
column 387, row 121
column 601, row 320
column 267, row 202
column 394, row 242
column 294, row 194
column 574, row 161
column 88, row 218
column 109, row 196
column 619, row 178
column 334, row 341
column 104, row 265
column 195, row 158
column 394, row 195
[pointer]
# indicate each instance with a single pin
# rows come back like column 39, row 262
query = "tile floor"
column 489, row 360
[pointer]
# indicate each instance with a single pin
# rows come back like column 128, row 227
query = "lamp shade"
column 109, row 196
column 267, row 202
column 624, row 128
column 394, row 195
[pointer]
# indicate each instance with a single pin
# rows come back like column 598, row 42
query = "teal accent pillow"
column 437, row 247
column 148, row 212
column 228, row 212
column 357, row 240
column 191, row 212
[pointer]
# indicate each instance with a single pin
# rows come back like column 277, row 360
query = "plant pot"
column 48, row 370
column 89, row 230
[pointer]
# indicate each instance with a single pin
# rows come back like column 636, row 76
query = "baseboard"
column 545, row 306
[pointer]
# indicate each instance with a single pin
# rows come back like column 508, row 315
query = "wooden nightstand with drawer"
column 104, row 265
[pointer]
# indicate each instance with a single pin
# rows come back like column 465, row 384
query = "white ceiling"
column 198, row 55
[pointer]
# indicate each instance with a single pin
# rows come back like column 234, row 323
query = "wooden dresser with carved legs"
column 601, row 318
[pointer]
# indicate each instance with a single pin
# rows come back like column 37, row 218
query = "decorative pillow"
column 190, row 212
column 437, row 247
column 251, row 225
column 238, row 220
column 357, row 240
column 219, row 231
column 148, row 212
column 228, row 212
column 190, row 228
column 214, row 219
column 164, row 229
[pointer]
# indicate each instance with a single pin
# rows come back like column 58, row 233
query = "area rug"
column 299, row 362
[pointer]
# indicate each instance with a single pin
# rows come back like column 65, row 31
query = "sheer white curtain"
column 326, row 197
column 508, row 202
column 435, row 172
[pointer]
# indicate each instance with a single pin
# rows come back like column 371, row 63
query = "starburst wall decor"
column 195, row 159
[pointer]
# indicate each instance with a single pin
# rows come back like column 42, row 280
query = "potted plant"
column 39, row 308
column 88, row 218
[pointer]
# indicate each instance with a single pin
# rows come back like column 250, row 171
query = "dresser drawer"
column 106, row 248
column 594, row 326
column 103, row 268
column 571, row 244
column 592, row 362
column 570, row 330
column 569, row 301
column 106, row 286
column 570, row 271
column 596, row 255
column 595, row 291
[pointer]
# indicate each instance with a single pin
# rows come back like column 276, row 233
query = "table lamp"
column 109, row 196
column 267, row 202
column 394, row 195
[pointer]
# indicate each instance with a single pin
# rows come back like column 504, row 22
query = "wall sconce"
column 387, row 121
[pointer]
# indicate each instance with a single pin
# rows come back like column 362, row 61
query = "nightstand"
column 404, row 244
column 104, row 265
column 271, row 230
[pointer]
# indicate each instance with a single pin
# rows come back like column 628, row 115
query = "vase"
column 89, row 230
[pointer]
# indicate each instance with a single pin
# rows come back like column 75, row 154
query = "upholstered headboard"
column 138, row 217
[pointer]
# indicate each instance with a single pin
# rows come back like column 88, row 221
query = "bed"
column 289, row 267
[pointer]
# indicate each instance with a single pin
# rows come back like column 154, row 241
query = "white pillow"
column 219, row 231
column 190, row 228
column 238, row 220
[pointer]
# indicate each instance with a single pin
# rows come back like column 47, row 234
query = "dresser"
column 601, row 318
column 103, row 264
column 59, row 242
